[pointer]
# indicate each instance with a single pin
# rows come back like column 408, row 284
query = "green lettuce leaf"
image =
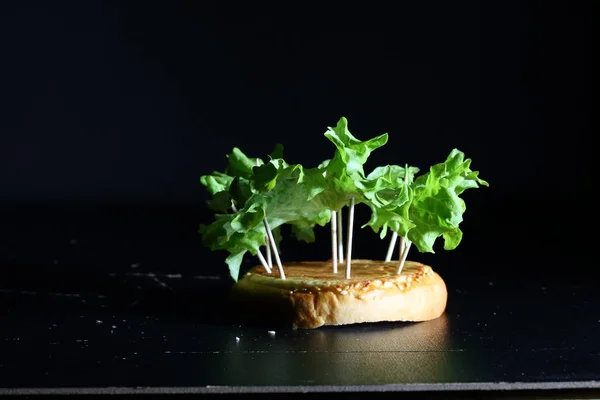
column 436, row 208
column 304, row 231
column 276, row 190
column 422, row 208
column 386, row 185
column 351, row 153
column 231, row 187
column 390, row 207
column 240, row 165
column 216, row 182
column 220, row 202
column 222, row 235
column 344, row 173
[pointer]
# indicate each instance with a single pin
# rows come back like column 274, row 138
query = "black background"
column 110, row 112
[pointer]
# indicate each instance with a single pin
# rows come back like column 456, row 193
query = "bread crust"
column 312, row 296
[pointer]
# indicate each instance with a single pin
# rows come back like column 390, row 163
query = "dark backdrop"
column 110, row 111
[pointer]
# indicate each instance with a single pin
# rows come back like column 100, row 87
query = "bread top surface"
column 366, row 276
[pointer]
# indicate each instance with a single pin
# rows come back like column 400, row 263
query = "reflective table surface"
column 132, row 310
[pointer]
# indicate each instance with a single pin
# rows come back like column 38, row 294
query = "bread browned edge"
column 419, row 294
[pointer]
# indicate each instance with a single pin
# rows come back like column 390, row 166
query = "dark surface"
column 100, row 303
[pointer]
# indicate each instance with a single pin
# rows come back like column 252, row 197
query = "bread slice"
column 312, row 296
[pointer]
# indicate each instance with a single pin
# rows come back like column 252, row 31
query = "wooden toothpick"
column 263, row 261
column 349, row 242
column 274, row 248
column 334, row 250
column 403, row 257
column 340, row 237
column 390, row 251
column 269, row 252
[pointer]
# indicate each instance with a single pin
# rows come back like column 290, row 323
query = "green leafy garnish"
column 389, row 197
column 436, row 209
column 421, row 208
column 351, row 153
column 283, row 193
column 426, row 209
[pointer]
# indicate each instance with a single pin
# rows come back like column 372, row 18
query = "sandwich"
column 257, row 201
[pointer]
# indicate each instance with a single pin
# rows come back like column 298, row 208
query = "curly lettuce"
column 421, row 208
